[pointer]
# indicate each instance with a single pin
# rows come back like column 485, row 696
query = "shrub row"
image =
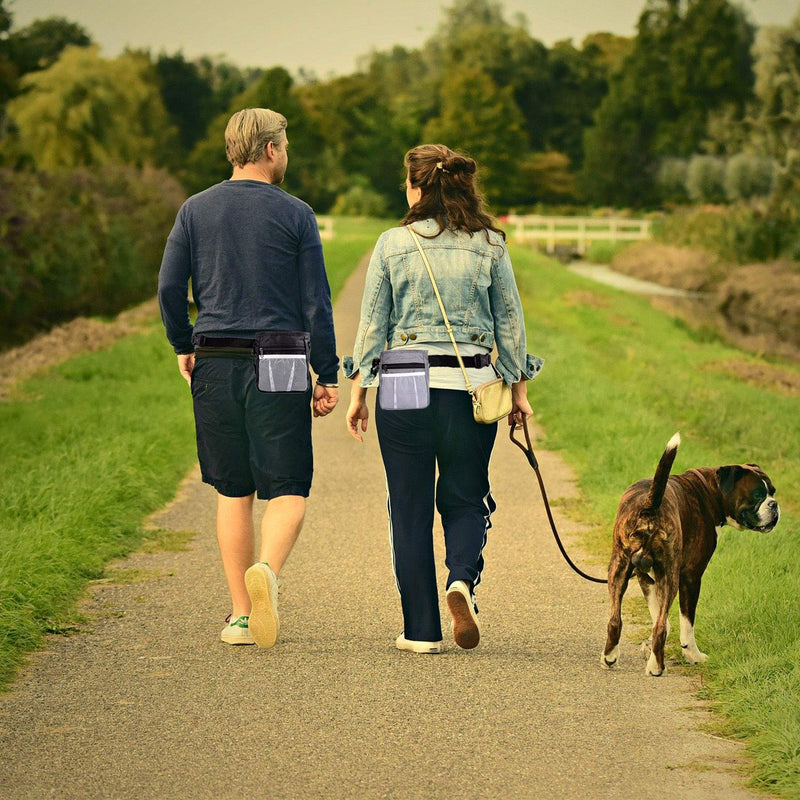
column 740, row 233
column 79, row 242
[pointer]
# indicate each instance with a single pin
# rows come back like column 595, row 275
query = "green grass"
column 100, row 443
column 353, row 237
column 90, row 449
column 620, row 379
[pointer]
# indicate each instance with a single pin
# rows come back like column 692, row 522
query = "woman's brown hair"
column 449, row 193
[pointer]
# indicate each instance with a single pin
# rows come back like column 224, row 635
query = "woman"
column 470, row 262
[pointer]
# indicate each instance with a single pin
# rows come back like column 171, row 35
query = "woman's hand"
column 520, row 407
column 357, row 412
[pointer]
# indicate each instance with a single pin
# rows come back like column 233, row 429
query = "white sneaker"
column 262, row 586
column 418, row 647
column 465, row 619
column 237, row 631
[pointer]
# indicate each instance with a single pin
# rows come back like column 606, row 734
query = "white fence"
column 325, row 227
column 581, row 230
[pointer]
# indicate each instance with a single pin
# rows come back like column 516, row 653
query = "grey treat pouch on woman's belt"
column 404, row 380
column 281, row 361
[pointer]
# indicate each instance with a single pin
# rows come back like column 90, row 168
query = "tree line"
column 691, row 108
column 695, row 108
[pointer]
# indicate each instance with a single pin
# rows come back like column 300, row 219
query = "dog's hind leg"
column 619, row 573
column 689, row 594
column 665, row 591
column 647, row 585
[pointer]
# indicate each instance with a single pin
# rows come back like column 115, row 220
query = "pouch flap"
column 283, row 342
column 405, row 356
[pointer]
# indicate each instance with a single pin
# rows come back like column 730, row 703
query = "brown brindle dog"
column 666, row 532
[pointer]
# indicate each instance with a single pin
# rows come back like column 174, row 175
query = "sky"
column 326, row 38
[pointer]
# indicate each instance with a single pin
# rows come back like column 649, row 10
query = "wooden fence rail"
column 581, row 230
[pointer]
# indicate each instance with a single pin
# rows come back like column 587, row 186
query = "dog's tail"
column 659, row 484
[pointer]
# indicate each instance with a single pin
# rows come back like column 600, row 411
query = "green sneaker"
column 237, row 631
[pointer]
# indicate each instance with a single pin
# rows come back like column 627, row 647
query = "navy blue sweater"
column 254, row 257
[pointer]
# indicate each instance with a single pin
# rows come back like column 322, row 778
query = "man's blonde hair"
column 248, row 133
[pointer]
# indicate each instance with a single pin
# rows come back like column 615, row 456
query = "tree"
column 579, row 83
column 361, row 136
column 207, row 164
column 774, row 121
column 85, row 110
column 39, row 45
column 187, row 96
column 8, row 71
column 689, row 58
column 485, row 121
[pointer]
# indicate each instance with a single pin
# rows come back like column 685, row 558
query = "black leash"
column 530, row 455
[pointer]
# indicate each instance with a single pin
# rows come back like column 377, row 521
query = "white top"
column 453, row 377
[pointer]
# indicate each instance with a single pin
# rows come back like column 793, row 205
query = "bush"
column 78, row 242
column 705, row 179
column 739, row 234
column 361, row 200
column 671, row 180
column 748, row 176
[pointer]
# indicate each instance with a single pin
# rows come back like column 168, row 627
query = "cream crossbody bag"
column 491, row 401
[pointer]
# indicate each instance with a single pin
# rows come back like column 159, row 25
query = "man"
column 254, row 257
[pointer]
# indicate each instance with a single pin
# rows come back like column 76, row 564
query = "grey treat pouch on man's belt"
column 404, row 380
column 281, row 361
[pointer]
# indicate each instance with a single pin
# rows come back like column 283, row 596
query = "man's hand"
column 186, row 365
column 325, row 400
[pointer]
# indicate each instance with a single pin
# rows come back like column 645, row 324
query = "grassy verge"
column 90, row 449
column 353, row 237
column 620, row 379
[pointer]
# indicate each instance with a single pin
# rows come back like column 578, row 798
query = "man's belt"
column 200, row 340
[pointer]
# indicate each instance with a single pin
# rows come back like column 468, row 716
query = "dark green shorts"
column 249, row 441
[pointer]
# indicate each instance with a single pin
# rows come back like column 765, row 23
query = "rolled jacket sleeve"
column 373, row 328
column 513, row 360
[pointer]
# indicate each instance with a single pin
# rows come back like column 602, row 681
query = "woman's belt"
column 475, row 362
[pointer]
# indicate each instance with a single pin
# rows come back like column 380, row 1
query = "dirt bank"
column 755, row 307
column 64, row 341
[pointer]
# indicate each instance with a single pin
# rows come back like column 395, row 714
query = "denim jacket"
column 479, row 293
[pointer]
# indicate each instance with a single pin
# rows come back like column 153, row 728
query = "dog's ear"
column 728, row 476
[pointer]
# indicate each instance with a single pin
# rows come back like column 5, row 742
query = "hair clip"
column 440, row 165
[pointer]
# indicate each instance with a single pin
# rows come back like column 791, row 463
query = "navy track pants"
column 412, row 444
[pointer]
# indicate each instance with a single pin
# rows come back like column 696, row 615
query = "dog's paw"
column 652, row 667
column 610, row 660
column 693, row 655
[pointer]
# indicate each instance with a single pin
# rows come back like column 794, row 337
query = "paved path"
column 618, row 280
column 148, row 704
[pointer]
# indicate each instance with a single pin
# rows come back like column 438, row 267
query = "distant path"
column 148, row 705
column 602, row 274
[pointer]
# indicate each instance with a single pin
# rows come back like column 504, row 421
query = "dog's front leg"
column 665, row 590
column 619, row 573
